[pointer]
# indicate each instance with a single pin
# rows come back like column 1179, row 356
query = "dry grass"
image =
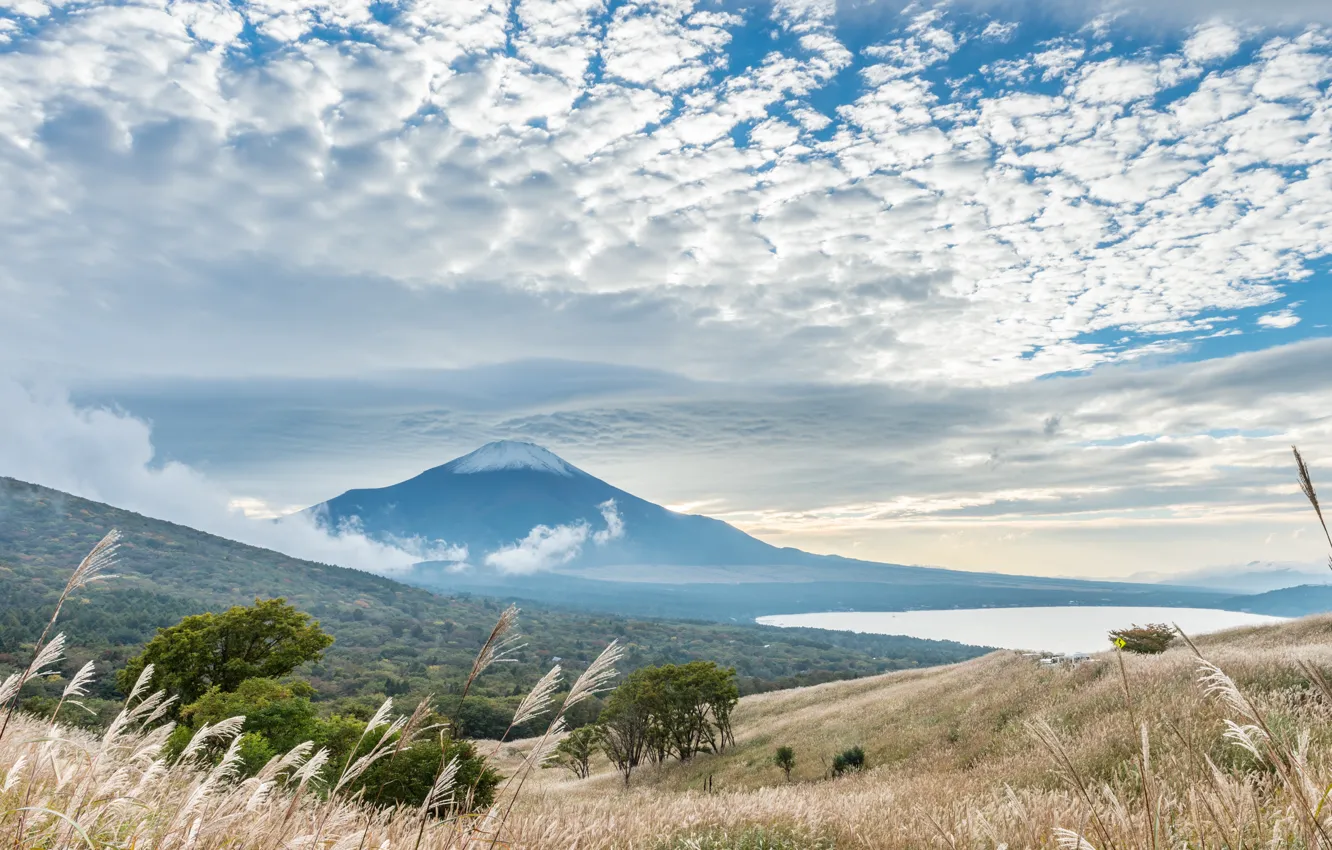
column 955, row 755
column 956, row 759
column 64, row 788
column 1223, row 742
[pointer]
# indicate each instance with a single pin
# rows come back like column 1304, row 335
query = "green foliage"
column 1148, row 640
column 279, row 716
column 849, row 761
column 672, row 711
column 575, row 751
column 279, row 713
column 481, row 717
column 255, row 752
column 405, row 777
column 785, row 759
column 267, row 639
column 625, row 725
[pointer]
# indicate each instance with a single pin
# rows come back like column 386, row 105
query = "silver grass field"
column 1219, row 742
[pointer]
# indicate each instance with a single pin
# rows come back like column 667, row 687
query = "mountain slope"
column 389, row 636
column 664, row 563
column 953, row 759
column 1287, row 601
column 496, row 495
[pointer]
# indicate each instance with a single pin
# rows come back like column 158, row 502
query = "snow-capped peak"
column 512, row 454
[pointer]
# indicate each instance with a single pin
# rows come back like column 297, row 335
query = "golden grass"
column 64, row 788
column 956, row 759
column 1222, row 742
column 955, row 762
column 954, row 752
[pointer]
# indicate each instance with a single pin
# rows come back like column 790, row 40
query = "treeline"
column 656, row 714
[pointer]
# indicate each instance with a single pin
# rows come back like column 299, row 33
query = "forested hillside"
column 391, row 639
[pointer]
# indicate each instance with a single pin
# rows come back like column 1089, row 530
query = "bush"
column 784, row 758
column 1147, row 640
column 405, row 777
column 849, row 761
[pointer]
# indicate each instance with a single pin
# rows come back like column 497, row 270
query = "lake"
column 1061, row 629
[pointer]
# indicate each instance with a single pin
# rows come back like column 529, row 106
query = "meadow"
column 1224, row 741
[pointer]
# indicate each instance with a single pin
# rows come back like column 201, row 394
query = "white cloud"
column 545, row 548
column 1279, row 319
column 614, row 529
column 594, row 161
column 1213, row 41
column 107, row 456
column 999, row 31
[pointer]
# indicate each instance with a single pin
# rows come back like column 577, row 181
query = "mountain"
column 389, row 637
column 495, row 496
column 1253, row 577
column 536, row 526
column 1286, row 601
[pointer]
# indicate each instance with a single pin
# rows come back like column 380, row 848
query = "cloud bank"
column 108, row 456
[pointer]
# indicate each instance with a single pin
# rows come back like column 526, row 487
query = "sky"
column 1038, row 287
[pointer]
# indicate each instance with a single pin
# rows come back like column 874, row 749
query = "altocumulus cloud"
column 837, row 201
column 107, row 455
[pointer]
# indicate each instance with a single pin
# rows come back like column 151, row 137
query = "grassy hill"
column 390, row 638
column 955, row 761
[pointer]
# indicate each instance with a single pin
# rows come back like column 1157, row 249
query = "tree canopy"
column 265, row 640
column 671, row 711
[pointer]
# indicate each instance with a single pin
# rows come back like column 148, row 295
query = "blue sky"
column 1031, row 286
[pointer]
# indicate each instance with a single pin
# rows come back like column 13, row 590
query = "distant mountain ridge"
column 496, row 495
column 1253, row 577
column 666, row 564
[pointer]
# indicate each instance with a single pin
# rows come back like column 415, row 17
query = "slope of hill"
column 1287, row 601
column 390, row 637
column 955, row 758
column 662, row 563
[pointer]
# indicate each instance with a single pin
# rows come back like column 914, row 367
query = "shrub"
column 405, row 777
column 849, row 761
column 1148, row 640
column 785, row 759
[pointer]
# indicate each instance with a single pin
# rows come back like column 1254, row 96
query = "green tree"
column 784, row 758
column 575, row 751
column 625, row 726
column 671, row 711
column 278, row 713
column 267, row 639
